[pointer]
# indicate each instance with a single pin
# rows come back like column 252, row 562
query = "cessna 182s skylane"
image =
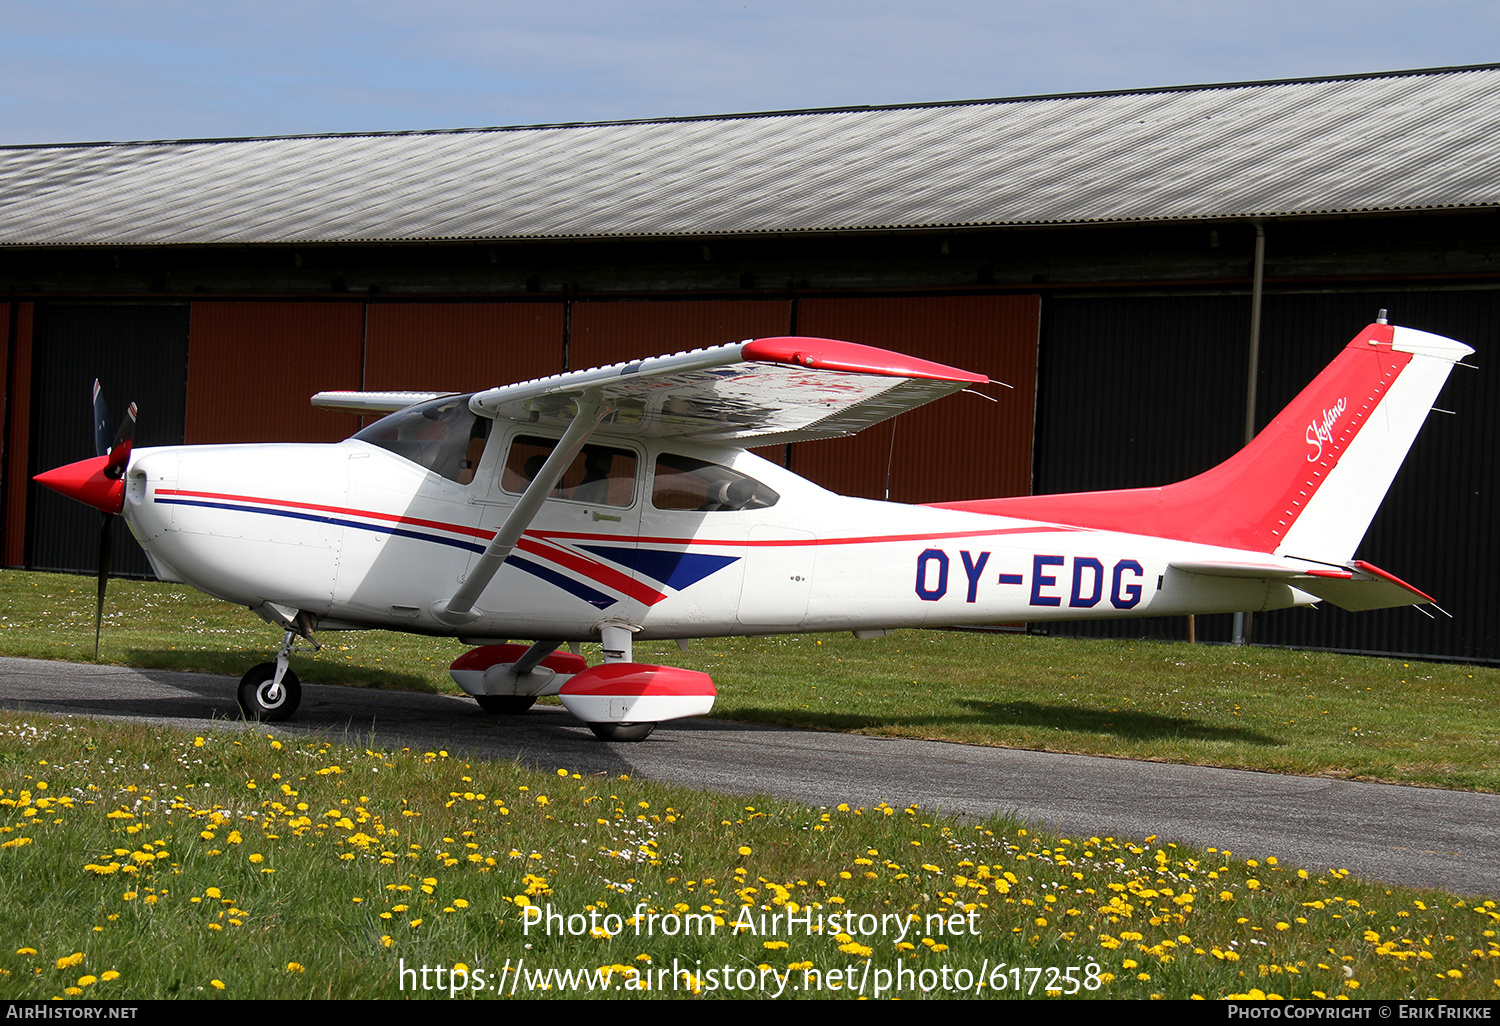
column 620, row 503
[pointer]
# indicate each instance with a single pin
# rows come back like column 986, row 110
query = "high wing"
column 772, row 390
column 758, row 392
column 372, row 402
column 762, row 391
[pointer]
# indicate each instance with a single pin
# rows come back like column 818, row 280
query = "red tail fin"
column 1309, row 482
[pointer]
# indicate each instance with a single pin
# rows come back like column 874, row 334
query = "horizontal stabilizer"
column 1358, row 587
column 1369, row 588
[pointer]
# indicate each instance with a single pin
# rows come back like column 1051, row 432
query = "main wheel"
column 622, row 731
column 256, row 684
column 505, row 705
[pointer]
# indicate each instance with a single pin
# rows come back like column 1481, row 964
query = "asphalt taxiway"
column 1420, row 837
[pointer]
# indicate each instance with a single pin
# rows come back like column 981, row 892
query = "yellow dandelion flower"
column 216, row 984
column 294, row 967
column 108, row 975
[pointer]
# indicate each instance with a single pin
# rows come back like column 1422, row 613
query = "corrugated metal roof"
column 1411, row 140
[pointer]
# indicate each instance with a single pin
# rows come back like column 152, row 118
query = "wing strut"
column 459, row 609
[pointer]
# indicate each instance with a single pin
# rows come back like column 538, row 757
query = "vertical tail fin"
column 1308, row 485
column 1355, row 441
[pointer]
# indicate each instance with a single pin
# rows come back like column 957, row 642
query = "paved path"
column 1408, row 835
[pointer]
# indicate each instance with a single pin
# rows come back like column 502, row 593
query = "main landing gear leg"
column 617, row 643
column 622, row 700
column 514, row 705
column 618, row 647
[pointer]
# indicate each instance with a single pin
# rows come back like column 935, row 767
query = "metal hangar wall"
column 220, row 283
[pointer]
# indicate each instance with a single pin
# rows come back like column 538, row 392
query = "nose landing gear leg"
column 271, row 692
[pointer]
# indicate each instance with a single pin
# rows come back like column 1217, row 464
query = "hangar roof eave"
column 1411, row 141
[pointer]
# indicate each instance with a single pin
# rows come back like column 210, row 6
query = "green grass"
column 140, row 863
column 1263, row 709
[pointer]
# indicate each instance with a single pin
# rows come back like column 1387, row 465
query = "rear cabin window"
column 600, row 474
column 684, row 483
column 442, row 435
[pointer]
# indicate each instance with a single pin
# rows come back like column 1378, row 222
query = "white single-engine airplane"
column 621, row 503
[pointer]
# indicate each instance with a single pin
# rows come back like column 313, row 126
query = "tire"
column 253, row 688
column 622, row 731
column 505, row 705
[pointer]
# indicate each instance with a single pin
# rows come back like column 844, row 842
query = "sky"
column 95, row 70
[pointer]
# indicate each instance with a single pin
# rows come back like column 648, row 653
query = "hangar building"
column 1120, row 258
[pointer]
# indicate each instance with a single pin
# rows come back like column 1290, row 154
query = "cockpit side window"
column 685, row 483
column 602, row 475
column 442, row 435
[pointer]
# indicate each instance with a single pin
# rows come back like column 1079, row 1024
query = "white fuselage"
column 358, row 536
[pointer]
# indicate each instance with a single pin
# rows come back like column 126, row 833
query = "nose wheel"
column 263, row 700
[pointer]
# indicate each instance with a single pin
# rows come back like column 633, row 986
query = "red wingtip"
column 87, row 482
column 831, row 354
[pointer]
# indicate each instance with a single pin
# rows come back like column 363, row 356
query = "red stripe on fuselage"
column 394, row 518
column 594, row 571
column 475, row 532
column 873, row 539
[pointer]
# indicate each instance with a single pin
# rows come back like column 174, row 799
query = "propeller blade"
column 80, row 479
column 119, row 453
column 101, row 421
column 127, row 427
column 106, row 545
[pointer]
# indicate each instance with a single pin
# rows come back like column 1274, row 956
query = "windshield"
column 442, row 435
